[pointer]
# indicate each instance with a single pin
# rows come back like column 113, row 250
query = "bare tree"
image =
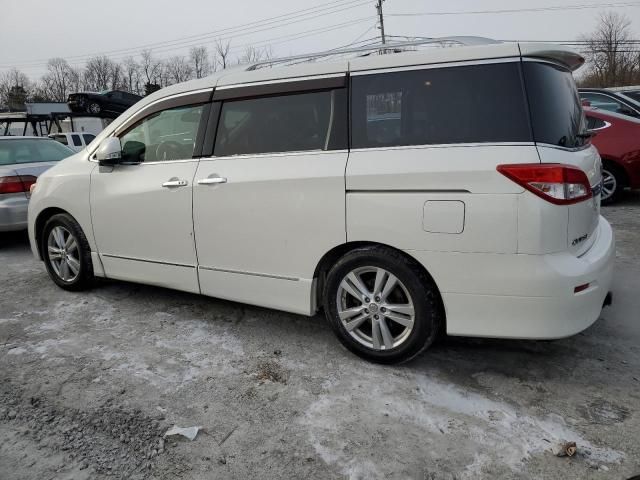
column 610, row 53
column 98, row 73
column 57, row 82
column 255, row 54
column 178, row 69
column 131, row 75
column 150, row 67
column 13, row 83
column 222, row 53
column 200, row 61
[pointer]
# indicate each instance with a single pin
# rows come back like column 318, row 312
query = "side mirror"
column 109, row 152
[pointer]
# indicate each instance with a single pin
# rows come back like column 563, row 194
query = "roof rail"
column 461, row 40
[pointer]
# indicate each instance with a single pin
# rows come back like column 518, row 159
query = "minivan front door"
column 141, row 209
column 271, row 202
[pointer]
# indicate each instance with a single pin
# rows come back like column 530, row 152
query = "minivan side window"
column 283, row 123
column 88, row 138
column 444, row 105
column 76, row 140
column 164, row 135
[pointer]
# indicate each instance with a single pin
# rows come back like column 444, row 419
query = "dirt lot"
column 90, row 381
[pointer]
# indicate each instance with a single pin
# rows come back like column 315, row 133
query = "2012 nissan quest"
column 406, row 194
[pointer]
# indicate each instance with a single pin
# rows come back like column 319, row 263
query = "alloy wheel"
column 63, row 253
column 609, row 184
column 375, row 308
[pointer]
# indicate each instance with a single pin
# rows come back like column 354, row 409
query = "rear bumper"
column 13, row 213
column 524, row 296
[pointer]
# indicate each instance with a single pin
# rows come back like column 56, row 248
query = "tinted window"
column 88, row 138
column 556, row 110
column 32, row 150
column 467, row 104
column 166, row 135
column 76, row 140
column 61, row 138
column 634, row 94
column 283, row 123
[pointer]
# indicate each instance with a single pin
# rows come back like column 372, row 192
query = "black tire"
column 84, row 278
column 419, row 289
column 619, row 179
column 94, row 108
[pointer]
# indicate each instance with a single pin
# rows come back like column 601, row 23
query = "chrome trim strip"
column 606, row 125
column 280, row 80
column 368, row 190
column 445, row 145
column 253, row 274
column 427, row 66
column 146, row 261
column 565, row 149
column 275, row 154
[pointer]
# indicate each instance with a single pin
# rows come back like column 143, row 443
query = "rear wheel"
column 381, row 305
column 612, row 183
column 66, row 253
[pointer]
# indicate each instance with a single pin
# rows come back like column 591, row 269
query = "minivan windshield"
column 556, row 111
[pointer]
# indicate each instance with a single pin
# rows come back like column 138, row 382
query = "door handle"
column 212, row 180
column 175, row 183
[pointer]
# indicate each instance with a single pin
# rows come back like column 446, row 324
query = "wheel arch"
column 332, row 256
column 41, row 221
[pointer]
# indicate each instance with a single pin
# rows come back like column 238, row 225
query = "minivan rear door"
column 559, row 129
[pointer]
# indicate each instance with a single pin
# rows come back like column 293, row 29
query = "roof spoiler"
column 557, row 53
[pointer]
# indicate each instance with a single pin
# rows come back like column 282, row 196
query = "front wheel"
column 381, row 305
column 66, row 253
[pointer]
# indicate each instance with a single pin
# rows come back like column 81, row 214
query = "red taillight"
column 16, row 184
column 555, row 182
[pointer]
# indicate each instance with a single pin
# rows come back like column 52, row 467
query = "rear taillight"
column 16, row 184
column 554, row 182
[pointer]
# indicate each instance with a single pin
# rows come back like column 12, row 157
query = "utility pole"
column 381, row 16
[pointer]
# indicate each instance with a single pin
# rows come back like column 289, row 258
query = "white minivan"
column 445, row 190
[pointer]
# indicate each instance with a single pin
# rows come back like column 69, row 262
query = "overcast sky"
column 32, row 31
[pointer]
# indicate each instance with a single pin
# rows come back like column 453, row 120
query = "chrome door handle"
column 175, row 183
column 212, row 180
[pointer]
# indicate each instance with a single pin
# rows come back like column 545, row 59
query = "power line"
column 280, row 21
column 518, row 10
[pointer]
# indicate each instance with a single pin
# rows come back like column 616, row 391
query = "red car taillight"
column 16, row 184
column 554, row 182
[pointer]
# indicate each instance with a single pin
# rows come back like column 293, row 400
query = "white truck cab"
column 452, row 189
column 74, row 140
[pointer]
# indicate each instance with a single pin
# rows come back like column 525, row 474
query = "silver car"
column 22, row 160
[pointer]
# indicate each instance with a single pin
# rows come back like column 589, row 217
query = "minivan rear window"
column 556, row 110
column 445, row 105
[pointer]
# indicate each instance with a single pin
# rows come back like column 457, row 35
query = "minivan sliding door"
column 270, row 201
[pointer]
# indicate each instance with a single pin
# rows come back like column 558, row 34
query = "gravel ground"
column 90, row 381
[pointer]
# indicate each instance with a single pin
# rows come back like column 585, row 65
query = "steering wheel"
column 168, row 150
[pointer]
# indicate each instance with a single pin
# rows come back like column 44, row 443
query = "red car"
column 617, row 138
